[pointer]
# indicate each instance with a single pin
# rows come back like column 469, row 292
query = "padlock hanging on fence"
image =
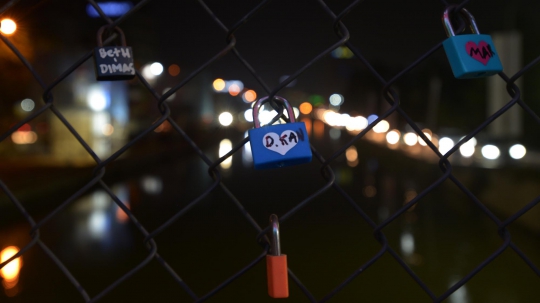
column 278, row 145
column 113, row 62
column 470, row 55
column 276, row 265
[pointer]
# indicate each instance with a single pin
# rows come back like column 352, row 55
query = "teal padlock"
column 278, row 145
column 470, row 55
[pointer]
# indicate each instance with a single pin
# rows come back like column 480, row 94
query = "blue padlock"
column 472, row 55
column 278, row 145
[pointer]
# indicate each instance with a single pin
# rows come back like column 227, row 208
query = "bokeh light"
column 336, row 99
column 174, row 70
column 410, row 139
column 234, row 89
column 517, row 151
column 10, row 272
column 381, row 127
column 392, row 137
column 27, row 105
column 156, row 68
column 445, row 144
column 249, row 96
column 225, row 118
column 306, row 108
column 248, row 115
column 491, row 152
column 225, row 146
column 219, row 85
column 8, row 26
column 351, row 154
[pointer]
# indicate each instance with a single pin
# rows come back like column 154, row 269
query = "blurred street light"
column 8, row 26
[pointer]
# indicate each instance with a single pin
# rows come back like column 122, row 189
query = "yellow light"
column 108, row 129
column 225, row 146
column 219, row 85
column 7, row 26
column 381, row 127
column 421, row 141
column 351, row 154
column 10, row 272
column 306, row 108
column 250, row 95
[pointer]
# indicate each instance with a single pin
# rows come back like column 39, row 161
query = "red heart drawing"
column 481, row 52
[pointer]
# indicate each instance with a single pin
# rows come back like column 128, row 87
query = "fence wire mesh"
column 230, row 52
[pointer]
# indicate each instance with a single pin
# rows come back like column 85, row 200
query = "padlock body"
column 114, row 63
column 279, row 145
column 472, row 56
column 278, row 279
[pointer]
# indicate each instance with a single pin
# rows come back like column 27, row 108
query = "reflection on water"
column 438, row 240
column 461, row 295
column 225, row 146
column 10, row 272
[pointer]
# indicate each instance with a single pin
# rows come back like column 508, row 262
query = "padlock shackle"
column 116, row 29
column 263, row 100
column 465, row 14
column 275, row 245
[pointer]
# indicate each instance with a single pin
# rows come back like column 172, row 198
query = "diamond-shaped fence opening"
column 144, row 189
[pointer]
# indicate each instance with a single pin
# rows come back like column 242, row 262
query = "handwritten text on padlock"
column 481, row 52
column 117, row 53
column 281, row 144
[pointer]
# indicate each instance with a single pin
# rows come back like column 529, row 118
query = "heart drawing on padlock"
column 481, row 52
column 280, row 144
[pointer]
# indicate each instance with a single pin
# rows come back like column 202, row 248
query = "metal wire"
column 391, row 96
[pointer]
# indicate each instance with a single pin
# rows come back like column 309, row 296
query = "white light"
column 421, row 141
column 381, row 127
column 445, row 144
column 331, row 118
column 360, row 123
column 410, row 139
column 247, row 157
column 343, row 119
column 152, row 185
column 407, row 243
column 517, row 151
column 490, row 152
column 248, row 115
column 147, row 73
column 171, row 97
column 225, row 118
column 27, row 105
column 96, row 98
column 8, row 26
column 296, row 112
column 98, row 224
column 467, row 149
column 225, row 146
column 336, row 99
column 392, row 137
column 156, row 68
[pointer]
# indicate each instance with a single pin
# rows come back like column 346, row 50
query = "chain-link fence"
column 230, row 52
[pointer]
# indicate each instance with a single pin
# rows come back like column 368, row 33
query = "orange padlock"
column 276, row 265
